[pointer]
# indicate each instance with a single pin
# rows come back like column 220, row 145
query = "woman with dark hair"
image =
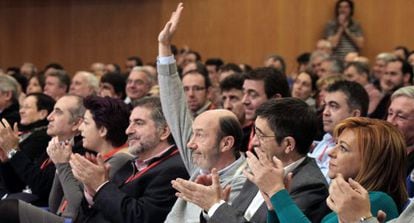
column 344, row 33
column 304, row 88
column 36, row 83
column 369, row 151
column 33, row 139
column 103, row 131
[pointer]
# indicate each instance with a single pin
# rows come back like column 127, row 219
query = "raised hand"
column 167, row 33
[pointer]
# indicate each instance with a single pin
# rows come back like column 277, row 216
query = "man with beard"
column 139, row 191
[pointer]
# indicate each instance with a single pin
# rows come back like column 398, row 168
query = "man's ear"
column 209, row 90
column 43, row 113
column 356, row 113
column 290, row 144
column 165, row 133
column 8, row 95
column 406, row 78
column 76, row 125
column 226, row 143
column 103, row 131
column 277, row 95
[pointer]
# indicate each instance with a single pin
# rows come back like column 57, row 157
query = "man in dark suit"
column 278, row 134
column 141, row 191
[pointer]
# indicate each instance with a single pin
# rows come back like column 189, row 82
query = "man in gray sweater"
column 210, row 141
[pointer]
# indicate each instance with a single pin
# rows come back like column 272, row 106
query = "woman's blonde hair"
column 383, row 156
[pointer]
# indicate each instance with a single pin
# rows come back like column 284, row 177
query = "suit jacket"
column 148, row 198
column 33, row 143
column 11, row 113
column 234, row 213
column 308, row 189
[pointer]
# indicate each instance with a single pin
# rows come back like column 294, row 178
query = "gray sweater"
column 179, row 119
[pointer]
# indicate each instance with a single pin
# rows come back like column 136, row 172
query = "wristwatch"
column 11, row 153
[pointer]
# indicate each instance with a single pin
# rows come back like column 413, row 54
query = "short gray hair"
column 387, row 57
column 92, row 80
column 8, row 83
column 78, row 110
column 146, row 72
column 404, row 92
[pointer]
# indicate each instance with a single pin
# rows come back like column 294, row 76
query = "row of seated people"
column 221, row 187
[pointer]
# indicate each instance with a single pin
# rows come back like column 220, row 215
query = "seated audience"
column 32, row 138
column 372, row 152
column 343, row 99
column 38, row 172
column 140, row 191
column 102, row 129
column 278, row 134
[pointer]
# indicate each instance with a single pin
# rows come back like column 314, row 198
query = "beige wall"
column 78, row 33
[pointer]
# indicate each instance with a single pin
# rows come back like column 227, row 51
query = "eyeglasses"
column 194, row 88
column 260, row 135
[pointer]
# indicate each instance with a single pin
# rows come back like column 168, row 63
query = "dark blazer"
column 147, row 199
column 11, row 113
column 308, row 189
column 29, row 170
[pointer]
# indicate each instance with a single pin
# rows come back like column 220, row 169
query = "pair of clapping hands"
column 91, row 170
column 206, row 191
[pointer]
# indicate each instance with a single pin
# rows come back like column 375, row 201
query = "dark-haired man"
column 398, row 73
column 231, row 96
column 343, row 99
column 57, row 83
column 260, row 85
column 288, row 138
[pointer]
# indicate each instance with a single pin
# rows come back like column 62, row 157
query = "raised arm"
column 172, row 95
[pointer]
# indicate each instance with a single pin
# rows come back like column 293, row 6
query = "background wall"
column 77, row 33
